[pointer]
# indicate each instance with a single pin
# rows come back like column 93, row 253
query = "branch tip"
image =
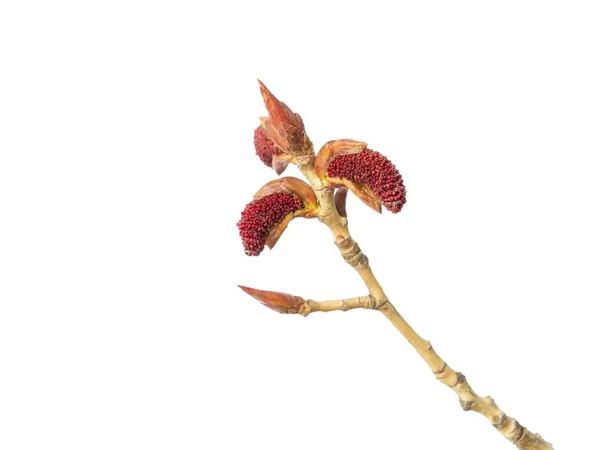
column 278, row 301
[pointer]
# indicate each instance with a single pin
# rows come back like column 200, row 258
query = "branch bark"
column 509, row 427
column 310, row 306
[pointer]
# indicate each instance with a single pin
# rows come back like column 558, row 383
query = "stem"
column 310, row 306
column 353, row 255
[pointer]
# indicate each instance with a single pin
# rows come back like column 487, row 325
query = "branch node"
column 489, row 401
column 440, row 370
column 306, row 308
column 519, row 431
column 341, row 241
column 379, row 302
column 372, row 303
column 460, row 378
column 354, row 255
column 499, row 421
column 466, row 404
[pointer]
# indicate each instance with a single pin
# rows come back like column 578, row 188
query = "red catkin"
column 265, row 147
column 374, row 170
column 260, row 216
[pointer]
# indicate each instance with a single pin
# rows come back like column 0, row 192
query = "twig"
column 344, row 164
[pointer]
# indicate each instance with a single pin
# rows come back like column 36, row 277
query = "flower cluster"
column 342, row 164
column 265, row 147
column 374, row 170
column 261, row 216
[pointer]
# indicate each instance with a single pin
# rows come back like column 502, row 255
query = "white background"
column 126, row 158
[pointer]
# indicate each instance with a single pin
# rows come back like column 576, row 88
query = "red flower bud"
column 266, row 217
column 265, row 147
column 368, row 174
column 372, row 169
column 277, row 301
column 269, row 152
column 260, row 217
column 333, row 149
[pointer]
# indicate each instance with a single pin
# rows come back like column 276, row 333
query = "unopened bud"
column 285, row 127
column 277, row 301
column 340, row 200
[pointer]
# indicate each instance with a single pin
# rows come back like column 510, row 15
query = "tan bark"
column 353, row 255
column 310, row 306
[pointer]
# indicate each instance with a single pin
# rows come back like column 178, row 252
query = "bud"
column 291, row 185
column 269, row 152
column 265, row 147
column 333, row 149
column 266, row 217
column 340, row 200
column 367, row 173
column 284, row 127
column 277, row 301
